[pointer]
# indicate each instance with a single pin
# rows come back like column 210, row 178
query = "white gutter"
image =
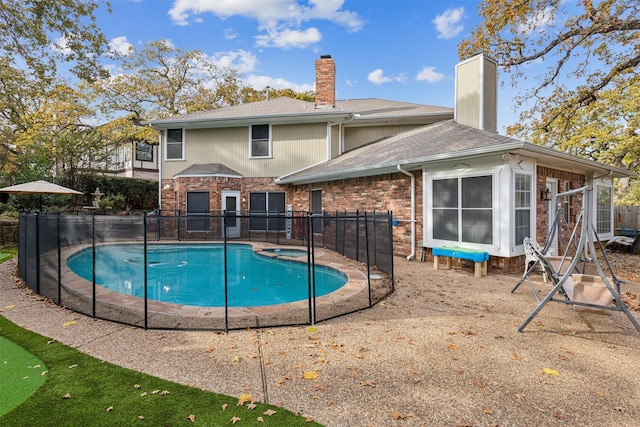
column 413, row 212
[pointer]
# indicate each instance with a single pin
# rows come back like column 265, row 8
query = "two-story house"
column 446, row 174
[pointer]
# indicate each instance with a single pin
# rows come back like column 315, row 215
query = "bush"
column 113, row 202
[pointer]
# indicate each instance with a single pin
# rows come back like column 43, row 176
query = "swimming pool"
column 193, row 274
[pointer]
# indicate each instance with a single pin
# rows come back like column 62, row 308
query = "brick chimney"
column 476, row 93
column 325, row 82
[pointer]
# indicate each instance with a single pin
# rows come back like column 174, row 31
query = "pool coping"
column 71, row 282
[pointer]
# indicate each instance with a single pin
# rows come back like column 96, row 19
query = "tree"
column 56, row 138
column 30, row 28
column 250, row 94
column 36, row 37
column 587, row 99
column 160, row 80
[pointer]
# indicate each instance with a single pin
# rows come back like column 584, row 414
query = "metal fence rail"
column 48, row 240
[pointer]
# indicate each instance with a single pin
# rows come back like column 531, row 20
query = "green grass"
column 82, row 390
column 7, row 253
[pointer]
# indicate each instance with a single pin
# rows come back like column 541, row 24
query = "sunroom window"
column 522, row 189
column 462, row 209
column 604, row 203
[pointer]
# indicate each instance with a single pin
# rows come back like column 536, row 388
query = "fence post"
column 366, row 237
column 226, row 277
column 38, row 253
column 93, row 263
column 59, row 260
column 146, row 289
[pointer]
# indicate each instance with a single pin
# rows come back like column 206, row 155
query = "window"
column 260, row 144
column 462, row 209
column 567, row 204
column 174, row 145
column 522, row 188
column 261, row 203
column 603, row 208
column 144, row 152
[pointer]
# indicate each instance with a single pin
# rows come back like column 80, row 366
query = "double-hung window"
column 522, row 188
column 174, row 144
column 260, row 141
column 462, row 209
column 604, row 205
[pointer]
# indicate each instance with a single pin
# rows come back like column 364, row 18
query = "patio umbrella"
column 38, row 187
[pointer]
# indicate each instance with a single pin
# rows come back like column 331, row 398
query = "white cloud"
column 230, row 34
column 61, row 46
column 448, row 24
column 240, row 60
column 377, row 77
column 260, row 82
column 281, row 19
column 429, row 75
column 289, row 38
column 119, row 45
column 537, row 23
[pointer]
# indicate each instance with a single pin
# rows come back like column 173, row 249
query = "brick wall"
column 325, row 82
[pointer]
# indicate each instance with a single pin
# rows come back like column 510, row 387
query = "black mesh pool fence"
column 51, row 242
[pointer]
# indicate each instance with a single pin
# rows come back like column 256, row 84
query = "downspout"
column 413, row 212
column 159, row 157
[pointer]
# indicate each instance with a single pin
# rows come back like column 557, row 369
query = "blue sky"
column 403, row 50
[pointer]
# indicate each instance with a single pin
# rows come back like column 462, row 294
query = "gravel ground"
column 443, row 350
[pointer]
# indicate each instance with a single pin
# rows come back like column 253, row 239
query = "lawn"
column 81, row 390
column 7, row 253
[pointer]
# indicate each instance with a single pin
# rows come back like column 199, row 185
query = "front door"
column 231, row 208
column 197, row 211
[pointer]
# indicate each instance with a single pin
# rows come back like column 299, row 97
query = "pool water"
column 293, row 253
column 193, row 274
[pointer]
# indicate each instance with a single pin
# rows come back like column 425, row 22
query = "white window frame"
column 494, row 209
column 251, row 140
column 166, row 148
column 596, row 210
column 530, row 208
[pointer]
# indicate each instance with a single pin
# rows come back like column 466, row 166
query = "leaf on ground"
column 67, row 396
column 9, row 307
column 75, row 365
column 236, row 359
column 308, row 420
column 69, row 323
column 599, row 393
column 310, row 375
column 463, row 424
column 141, row 417
column 453, row 347
column 143, row 394
column 155, row 392
column 110, row 408
column 164, row 392
column 312, row 329
column 192, row 418
column 244, row 398
column 269, row 412
column 480, row 384
column 487, row 411
column 235, row 420
column 550, row 371
column 367, row 384
column 137, row 386
column 225, row 406
column 260, row 419
column 397, row 415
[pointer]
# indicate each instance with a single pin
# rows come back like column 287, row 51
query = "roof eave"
column 208, row 122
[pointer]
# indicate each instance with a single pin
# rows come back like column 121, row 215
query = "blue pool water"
column 193, row 274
